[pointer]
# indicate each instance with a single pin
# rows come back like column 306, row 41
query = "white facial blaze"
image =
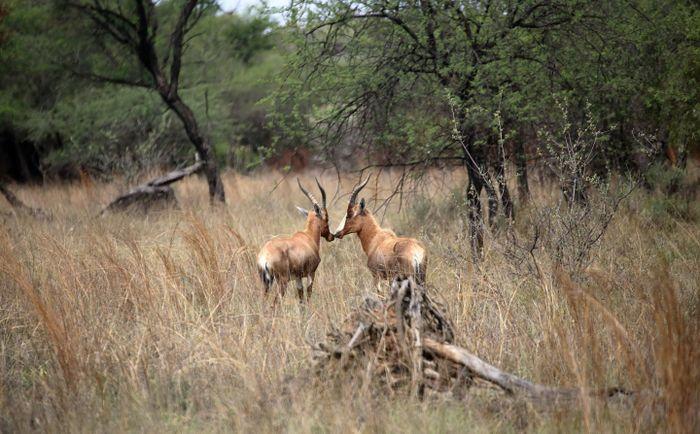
column 342, row 224
column 302, row 211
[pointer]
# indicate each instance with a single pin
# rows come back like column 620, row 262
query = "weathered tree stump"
column 144, row 199
column 154, row 195
column 406, row 342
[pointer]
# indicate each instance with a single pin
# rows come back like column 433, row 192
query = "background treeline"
column 59, row 117
column 388, row 82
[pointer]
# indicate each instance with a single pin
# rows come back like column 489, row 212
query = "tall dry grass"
column 126, row 323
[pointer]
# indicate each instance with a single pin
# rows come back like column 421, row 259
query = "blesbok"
column 295, row 257
column 387, row 254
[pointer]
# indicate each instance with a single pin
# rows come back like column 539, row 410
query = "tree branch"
column 176, row 42
column 114, row 80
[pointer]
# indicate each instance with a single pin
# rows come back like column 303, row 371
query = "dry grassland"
column 125, row 323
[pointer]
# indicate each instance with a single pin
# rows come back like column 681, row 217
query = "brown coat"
column 295, row 257
column 387, row 255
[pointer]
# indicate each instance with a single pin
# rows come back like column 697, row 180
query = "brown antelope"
column 388, row 256
column 297, row 256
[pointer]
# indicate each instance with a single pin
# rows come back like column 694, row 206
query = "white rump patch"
column 262, row 261
column 417, row 258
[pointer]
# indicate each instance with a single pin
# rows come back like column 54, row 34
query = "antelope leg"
column 300, row 289
column 311, row 286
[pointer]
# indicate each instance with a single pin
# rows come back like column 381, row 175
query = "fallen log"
column 506, row 381
column 144, row 198
column 21, row 207
column 176, row 175
column 510, row 383
column 155, row 194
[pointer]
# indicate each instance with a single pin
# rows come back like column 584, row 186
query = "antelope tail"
column 418, row 267
column 264, row 270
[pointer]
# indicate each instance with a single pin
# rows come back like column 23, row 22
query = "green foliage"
column 111, row 129
column 387, row 76
column 34, row 38
column 249, row 36
column 662, row 178
column 673, row 195
column 48, row 98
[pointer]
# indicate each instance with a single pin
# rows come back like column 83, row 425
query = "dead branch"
column 20, row 206
column 176, row 175
column 508, row 382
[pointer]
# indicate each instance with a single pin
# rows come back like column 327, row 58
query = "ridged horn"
column 323, row 193
column 307, row 194
column 356, row 191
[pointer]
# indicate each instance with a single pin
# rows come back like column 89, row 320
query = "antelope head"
column 355, row 216
column 318, row 212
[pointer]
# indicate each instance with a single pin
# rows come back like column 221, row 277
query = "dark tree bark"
column 21, row 159
column 137, row 31
column 506, row 200
column 521, row 171
column 492, row 199
column 143, row 199
column 503, row 191
column 20, row 206
column 211, row 170
column 473, row 164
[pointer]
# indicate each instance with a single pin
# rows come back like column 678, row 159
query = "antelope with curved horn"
column 297, row 256
column 387, row 254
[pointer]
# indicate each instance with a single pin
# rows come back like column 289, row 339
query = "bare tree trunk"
column 492, row 198
column 154, row 194
column 476, row 219
column 506, row 201
column 574, row 190
column 211, row 170
column 473, row 163
column 521, row 171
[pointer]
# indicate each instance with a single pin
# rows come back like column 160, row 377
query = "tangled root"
column 405, row 342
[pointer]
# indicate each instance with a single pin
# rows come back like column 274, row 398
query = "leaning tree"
column 132, row 29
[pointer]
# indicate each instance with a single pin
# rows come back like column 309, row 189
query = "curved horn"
column 356, row 191
column 323, row 193
column 307, row 194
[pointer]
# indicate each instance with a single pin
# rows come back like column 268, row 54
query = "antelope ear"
column 317, row 210
column 362, row 206
column 302, row 211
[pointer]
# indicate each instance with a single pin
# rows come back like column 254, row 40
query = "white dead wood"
column 406, row 341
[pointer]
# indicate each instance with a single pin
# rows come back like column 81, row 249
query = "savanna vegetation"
column 544, row 152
